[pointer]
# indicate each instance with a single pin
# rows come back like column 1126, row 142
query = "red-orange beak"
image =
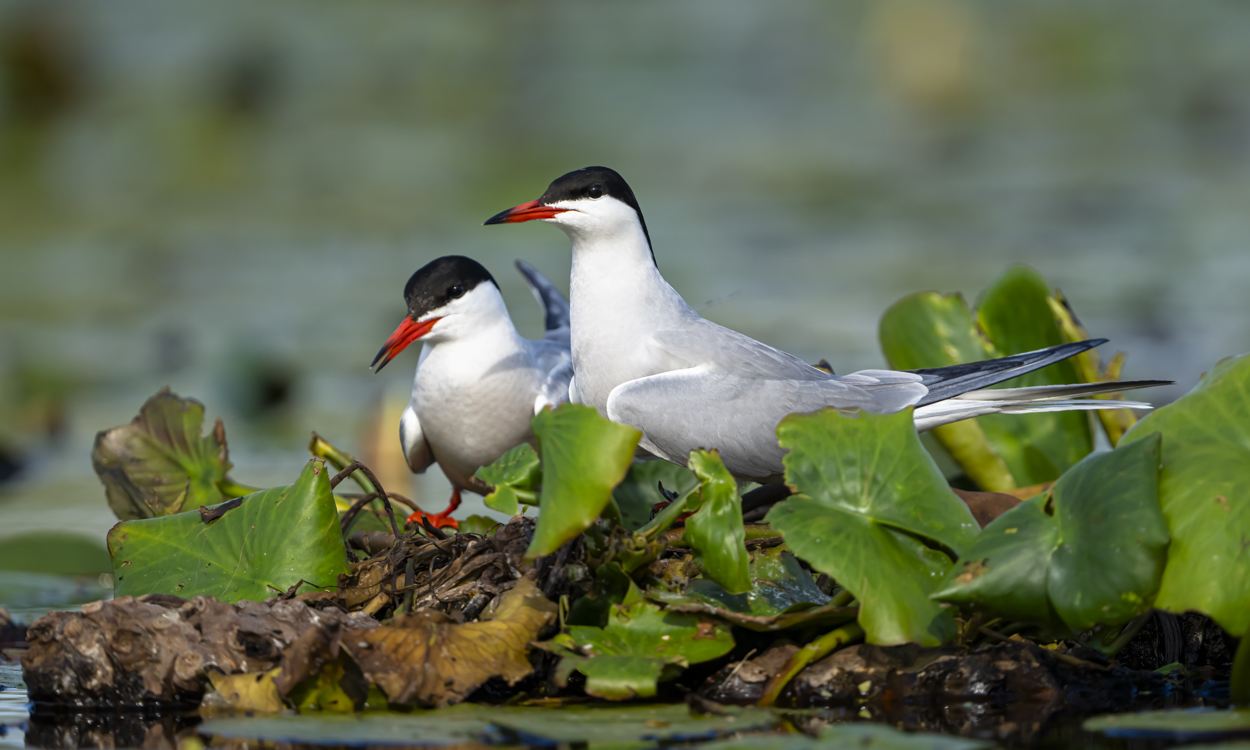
column 525, row 212
column 408, row 332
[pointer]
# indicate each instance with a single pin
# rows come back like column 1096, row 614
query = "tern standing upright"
column 478, row 382
column 643, row 357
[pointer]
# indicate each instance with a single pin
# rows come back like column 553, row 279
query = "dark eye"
column 457, row 291
column 594, row 191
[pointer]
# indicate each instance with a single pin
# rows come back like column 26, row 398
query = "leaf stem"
column 1239, row 680
column 321, row 448
column 355, row 467
column 842, row 598
column 612, row 513
column 232, row 489
column 1130, row 630
column 669, row 515
column 753, row 531
column 817, row 649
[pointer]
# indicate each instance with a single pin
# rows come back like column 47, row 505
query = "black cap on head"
column 442, row 280
column 594, row 182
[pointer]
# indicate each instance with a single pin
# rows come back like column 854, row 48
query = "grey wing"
column 555, row 306
column 702, row 343
column 733, row 400
column 555, row 361
column 416, row 449
column 683, row 410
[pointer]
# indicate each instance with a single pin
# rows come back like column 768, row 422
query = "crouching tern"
column 478, row 382
column 643, row 357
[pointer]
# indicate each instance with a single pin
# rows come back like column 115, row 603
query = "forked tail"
column 555, row 306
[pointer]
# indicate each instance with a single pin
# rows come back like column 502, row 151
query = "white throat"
column 618, row 300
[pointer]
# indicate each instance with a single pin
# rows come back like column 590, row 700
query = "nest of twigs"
column 461, row 575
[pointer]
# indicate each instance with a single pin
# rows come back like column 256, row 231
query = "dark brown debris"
column 158, row 649
column 986, row 506
column 12, row 634
column 743, row 682
column 162, row 650
column 208, row 515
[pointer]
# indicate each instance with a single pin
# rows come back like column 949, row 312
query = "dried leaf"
column 160, row 464
column 252, row 691
column 426, row 659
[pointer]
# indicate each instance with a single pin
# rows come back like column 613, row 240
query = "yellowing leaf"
column 160, row 464
column 427, row 659
column 251, row 691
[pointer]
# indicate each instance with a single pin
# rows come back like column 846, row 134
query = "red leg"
column 439, row 520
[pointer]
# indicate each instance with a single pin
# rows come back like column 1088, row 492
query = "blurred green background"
column 226, row 198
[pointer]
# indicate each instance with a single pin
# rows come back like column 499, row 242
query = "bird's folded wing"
column 555, row 361
column 705, row 407
column 416, row 449
column 555, row 389
column 701, row 342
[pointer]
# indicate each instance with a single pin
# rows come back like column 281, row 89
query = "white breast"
column 618, row 302
column 474, row 403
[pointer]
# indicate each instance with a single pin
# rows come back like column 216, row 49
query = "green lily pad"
column 1092, row 551
column 274, row 539
column 936, row 330
column 639, row 493
column 596, row 725
column 783, row 581
column 462, row 724
column 1204, row 488
column 1005, row 570
column 512, row 477
column 612, row 586
column 637, row 723
column 715, row 531
column 1192, row 724
column 160, row 464
column 54, row 552
column 584, row 456
column 783, row 596
column 855, row 735
column 779, row 584
column 641, row 646
column 873, row 512
column 1015, row 314
column 477, row 525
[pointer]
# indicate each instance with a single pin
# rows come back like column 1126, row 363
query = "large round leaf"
column 1204, row 487
column 1091, row 551
column 584, row 456
column 1017, row 313
column 874, row 512
column 271, row 541
column 928, row 329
